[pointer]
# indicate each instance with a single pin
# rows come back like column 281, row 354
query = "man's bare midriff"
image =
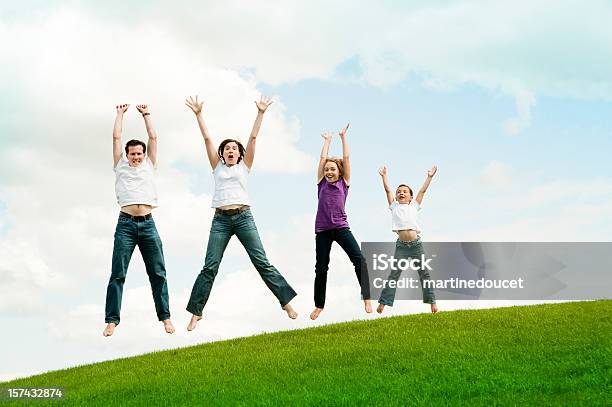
column 407, row 235
column 137, row 209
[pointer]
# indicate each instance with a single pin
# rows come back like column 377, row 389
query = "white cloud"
column 562, row 210
column 570, row 192
column 524, row 100
column 496, row 174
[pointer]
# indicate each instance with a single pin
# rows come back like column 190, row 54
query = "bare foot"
column 368, row 306
column 315, row 314
column 193, row 322
column 290, row 311
column 168, row 325
column 380, row 308
column 434, row 308
column 110, row 328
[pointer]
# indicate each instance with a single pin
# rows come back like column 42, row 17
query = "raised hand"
column 432, row 172
column 263, row 103
column 122, row 108
column 142, row 109
column 383, row 171
column 344, row 130
column 327, row 136
column 194, row 104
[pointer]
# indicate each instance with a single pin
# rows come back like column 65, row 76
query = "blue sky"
column 510, row 100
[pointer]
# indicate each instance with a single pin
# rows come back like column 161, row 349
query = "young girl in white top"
column 404, row 211
column 231, row 164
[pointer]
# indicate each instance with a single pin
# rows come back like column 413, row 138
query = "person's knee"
column 424, row 275
column 358, row 260
column 117, row 280
column 321, row 271
column 158, row 274
column 262, row 265
column 209, row 271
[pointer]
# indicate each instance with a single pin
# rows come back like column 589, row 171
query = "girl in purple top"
column 334, row 175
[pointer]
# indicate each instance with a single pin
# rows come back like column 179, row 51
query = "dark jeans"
column 129, row 234
column 345, row 239
column 407, row 250
column 222, row 229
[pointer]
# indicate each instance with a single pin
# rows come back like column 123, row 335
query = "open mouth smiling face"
column 403, row 195
column 135, row 155
column 331, row 172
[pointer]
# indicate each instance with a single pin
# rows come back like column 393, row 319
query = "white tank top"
column 404, row 216
column 230, row 185
column 135, row 185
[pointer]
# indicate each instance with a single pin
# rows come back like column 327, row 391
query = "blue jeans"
column 129, row 234
column 407, row 250
column 347, row 241
column 222, row 229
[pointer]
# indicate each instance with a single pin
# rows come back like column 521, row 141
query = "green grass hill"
column 556, row 354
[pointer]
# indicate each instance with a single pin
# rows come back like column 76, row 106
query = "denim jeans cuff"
column 163, row 317
column 385, row 302
column 192, row 309
column 287, row 300
column 111, row 321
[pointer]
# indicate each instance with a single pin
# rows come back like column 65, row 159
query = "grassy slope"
column 544, row 354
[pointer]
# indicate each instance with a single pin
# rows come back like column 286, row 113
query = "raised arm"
column 249, row 154
column 327, row 137
column 117, row 148
column 423, row 189
column 152, row 143
column 196, row 107
column 383, row 174
column 345, row 155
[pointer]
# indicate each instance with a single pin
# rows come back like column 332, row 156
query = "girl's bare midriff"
column 407, row 235
column 137, row 209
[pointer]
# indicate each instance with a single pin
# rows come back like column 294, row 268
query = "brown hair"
column 404, row 185
column 339, row 162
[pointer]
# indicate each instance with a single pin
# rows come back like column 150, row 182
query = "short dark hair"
column 134, row 143
column 227, row 141
column 404, row 185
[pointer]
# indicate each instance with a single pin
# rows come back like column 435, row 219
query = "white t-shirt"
column 404, row 216
column 230, row 185
column 135, row 185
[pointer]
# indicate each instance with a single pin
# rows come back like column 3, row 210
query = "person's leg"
column 123, row 247
column 220, row 234
column 247, row 233
column 151, row 249
column 347, row 241
column 387, row 296
column 428, row 292
column 323, row 242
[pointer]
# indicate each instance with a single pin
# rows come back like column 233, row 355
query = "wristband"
column 146, row 114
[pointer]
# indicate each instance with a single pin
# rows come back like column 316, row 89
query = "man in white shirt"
column 137, row 196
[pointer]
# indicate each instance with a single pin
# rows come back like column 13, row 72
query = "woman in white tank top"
column 231, row 164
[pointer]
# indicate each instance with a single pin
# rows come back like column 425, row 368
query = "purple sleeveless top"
column 330, row 213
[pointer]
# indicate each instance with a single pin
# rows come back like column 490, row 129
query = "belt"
column 410, row 242
column 232, row 212
column 135, row 218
